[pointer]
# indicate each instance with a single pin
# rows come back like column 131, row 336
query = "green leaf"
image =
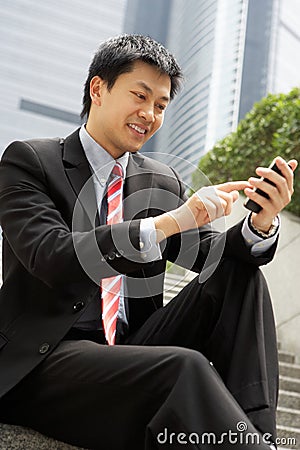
column 271, row 128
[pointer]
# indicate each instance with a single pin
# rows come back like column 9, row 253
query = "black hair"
column 117, row 55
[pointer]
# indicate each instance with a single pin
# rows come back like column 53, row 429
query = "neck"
column 114, row 154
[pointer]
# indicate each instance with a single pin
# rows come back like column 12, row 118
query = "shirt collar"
column 99, row 159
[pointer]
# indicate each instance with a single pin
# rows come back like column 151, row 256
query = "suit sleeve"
column 202, row 249
column 40, row 238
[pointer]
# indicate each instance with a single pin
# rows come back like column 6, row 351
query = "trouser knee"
column 234, row 277
column 187, row 361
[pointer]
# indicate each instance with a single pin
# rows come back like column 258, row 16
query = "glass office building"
column 284, row 67
column 45, row 50
column 272, row 46
column 233, row 52
column 207, row 37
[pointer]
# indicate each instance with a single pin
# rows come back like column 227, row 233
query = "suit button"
column 78, row 306
column 112, row 256
column 44, row 348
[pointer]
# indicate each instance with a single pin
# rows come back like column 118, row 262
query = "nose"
column 147, row 113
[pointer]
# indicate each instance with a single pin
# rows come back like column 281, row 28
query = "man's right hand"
column 204, row 206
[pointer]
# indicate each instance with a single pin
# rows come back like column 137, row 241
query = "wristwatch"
column 273, row 229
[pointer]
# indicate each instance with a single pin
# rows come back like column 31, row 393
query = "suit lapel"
column 79, row 174
column 137, row 188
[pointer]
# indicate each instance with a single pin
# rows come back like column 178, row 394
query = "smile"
column 138, row 129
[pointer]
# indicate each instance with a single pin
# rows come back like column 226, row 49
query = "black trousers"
column 201, row 373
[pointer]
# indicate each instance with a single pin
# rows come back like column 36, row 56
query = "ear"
column 96, row 86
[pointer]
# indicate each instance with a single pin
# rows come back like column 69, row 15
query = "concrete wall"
column 283, row 276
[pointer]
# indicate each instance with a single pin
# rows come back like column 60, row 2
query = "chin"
column 134, row 148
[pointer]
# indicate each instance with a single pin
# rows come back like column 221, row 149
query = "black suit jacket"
column 55, row 252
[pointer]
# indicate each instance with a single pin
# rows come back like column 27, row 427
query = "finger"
column 223, row 202
column 293, row 163
column 287, row 171
column 235, row 195
column 233, row 186
column 267, row 188
column 277, row 179
column 212, row 209
column 265, row 203
column 214, row 201
column 207, row 198
column 229, row 199
column 286, row 166
column 272, row 205
column 229, row 202
column 273, row 184
column 279, row 194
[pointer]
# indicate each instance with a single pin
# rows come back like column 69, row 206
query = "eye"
column 139, row 95
column 161, row 107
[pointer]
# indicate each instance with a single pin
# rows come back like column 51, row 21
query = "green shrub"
column 270, row 129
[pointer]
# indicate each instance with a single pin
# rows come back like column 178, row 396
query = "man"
column 88, row 354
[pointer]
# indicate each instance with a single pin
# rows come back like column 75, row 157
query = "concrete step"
column 15, row 437
column 188, row 275
column 167, row 298
column 289, row 384
column 288, row 437
column 172, row 286
column 174, row 289
column 289, row 399
column 172, row 278
column 182, row 280
column 289, row 370
column 169, row 295
column 171, row 290
column 177, row 286
column 286, row 357
column 288, row 417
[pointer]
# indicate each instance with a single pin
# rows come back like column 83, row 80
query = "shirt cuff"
column 150, row 249
column 258, row 244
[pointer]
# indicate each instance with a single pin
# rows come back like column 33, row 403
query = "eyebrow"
column 149, row 90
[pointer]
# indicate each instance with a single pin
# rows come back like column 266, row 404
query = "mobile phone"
column 253, row 206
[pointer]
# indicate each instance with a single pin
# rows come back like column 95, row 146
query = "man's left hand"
column 279, row 195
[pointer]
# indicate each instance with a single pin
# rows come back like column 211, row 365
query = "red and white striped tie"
column 111, row 287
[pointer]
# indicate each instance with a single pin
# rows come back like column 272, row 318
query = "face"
column 124, row 118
